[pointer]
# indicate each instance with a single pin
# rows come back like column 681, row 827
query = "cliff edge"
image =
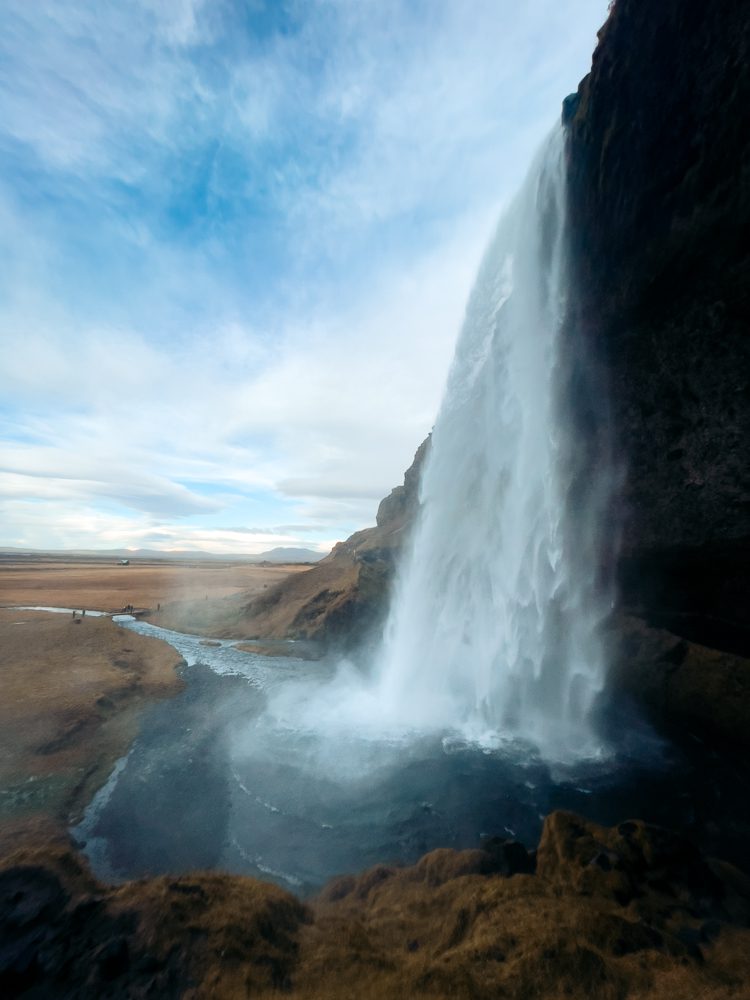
column 344, row 597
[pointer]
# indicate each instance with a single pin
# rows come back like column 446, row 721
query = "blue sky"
column 236, row 240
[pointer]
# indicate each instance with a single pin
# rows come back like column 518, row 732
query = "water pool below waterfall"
column 217, row 780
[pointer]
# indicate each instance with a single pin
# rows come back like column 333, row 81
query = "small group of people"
column 128, row 609
column 74, row 613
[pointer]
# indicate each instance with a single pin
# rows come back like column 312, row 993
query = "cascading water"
column 298, row 771
column 494, row 620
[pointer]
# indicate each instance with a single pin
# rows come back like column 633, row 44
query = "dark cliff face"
column 659, row 174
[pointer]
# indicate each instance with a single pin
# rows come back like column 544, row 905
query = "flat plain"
column 101, row 584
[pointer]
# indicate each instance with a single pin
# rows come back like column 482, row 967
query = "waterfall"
column 493, row 626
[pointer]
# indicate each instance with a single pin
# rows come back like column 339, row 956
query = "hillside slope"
column 344, row 596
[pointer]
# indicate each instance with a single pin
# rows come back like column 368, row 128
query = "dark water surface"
column 213, row 782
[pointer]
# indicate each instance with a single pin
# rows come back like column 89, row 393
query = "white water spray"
column 493, row 627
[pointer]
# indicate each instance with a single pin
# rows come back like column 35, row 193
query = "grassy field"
column 70, row 697
column 103, row 585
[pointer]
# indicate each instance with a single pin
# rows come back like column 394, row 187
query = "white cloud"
column 108, row 414
column 166, row 373
column 29, row 525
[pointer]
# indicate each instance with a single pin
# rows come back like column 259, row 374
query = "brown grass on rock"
column 654, row 919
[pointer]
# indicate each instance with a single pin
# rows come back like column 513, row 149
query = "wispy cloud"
column 236, row 240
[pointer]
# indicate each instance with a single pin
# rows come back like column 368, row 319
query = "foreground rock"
column 630, row 911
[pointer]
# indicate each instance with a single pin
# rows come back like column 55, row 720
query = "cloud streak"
column 236, row 242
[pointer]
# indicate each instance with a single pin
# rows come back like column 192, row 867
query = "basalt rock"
column 682, row 685
column 64, row 935
column 659, row 191
column 659, row 183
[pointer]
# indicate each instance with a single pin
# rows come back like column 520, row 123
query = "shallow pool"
column 235, row 774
